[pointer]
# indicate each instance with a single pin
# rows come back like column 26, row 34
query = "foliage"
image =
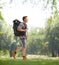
column 52, row 34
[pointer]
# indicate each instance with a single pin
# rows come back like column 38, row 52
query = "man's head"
column 25, row 19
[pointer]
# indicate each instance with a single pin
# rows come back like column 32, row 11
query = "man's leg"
column 24, row 49
column 24, row 54
column 17, row 50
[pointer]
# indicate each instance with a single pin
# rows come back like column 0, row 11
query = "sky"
column 37, row 15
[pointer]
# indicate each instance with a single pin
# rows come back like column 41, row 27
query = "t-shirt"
column 22, row 25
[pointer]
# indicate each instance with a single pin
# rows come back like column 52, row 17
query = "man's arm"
column 19, row 28
column 22, row 30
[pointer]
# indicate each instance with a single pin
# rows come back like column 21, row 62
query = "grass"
column 28, row 62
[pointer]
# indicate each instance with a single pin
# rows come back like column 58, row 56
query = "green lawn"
column 28, row 62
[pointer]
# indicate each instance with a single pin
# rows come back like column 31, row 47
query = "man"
column 22, row 38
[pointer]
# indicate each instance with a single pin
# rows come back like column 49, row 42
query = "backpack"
column 15, row 25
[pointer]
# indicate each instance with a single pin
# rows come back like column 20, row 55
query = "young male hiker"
column 22, row 38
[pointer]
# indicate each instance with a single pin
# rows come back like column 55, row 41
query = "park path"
column 41, row 57
column 35, row 57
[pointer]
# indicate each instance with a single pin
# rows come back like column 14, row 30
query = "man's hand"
column 25, row 30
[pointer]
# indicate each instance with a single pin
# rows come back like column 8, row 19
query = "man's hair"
column 24, row 17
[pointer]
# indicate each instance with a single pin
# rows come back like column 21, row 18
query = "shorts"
column 23, row 42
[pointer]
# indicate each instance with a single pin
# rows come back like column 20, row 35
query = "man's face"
column 26, row 20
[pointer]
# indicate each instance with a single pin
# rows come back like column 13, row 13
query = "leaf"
column 1, row 17
column 1, row 33
column 1, row 7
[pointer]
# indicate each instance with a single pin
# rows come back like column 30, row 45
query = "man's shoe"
column 25, row 58
column 14, row 55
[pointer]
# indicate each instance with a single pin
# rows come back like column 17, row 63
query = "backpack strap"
column 25, row 25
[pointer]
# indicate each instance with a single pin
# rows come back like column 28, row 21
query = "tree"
column 36, row 41
column 52, row 36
